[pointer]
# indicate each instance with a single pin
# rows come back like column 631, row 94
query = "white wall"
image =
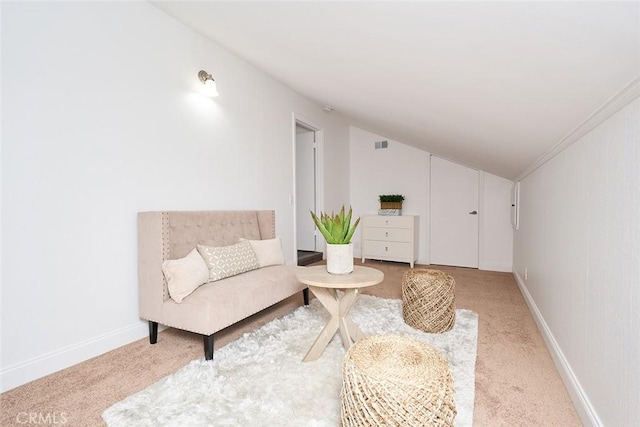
column 398, row 169
column 101, row 119
column 402, row 169
column 579, row 241
column 496, row 232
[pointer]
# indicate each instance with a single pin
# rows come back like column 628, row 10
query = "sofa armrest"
column 151, row 287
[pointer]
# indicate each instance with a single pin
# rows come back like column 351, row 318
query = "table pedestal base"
column 338, row 306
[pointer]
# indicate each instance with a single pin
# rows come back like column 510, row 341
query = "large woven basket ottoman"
column 391, row 380
column 428, row 300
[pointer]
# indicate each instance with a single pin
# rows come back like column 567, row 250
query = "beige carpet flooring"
column 517, row 383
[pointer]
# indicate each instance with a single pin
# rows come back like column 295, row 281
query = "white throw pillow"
column 268, row 251
column 226, row 261
column 185, row 275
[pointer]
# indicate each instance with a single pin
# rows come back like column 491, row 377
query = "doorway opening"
column 307, row 144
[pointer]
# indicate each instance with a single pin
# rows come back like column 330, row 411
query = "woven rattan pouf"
column 428, row 300
column 391, row 380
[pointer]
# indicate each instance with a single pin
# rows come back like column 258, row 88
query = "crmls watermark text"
column 40, row 418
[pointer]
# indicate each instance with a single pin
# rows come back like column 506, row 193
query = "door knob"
column 473, row 213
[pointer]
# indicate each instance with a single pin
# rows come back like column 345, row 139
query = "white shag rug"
column 260, row 379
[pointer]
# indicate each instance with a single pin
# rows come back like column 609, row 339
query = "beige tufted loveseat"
column 214, row 305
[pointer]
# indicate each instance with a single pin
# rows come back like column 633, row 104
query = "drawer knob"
column 386, row 234
column 386, row 249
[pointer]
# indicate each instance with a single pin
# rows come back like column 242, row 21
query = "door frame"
column 480, row 208
column 319, row 177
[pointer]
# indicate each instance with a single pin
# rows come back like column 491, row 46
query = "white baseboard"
column 40, row 366
column 585, row 410
column 503, row 268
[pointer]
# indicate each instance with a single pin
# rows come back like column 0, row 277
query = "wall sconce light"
column 209, row 83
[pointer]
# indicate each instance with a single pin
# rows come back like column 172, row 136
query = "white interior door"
column 305, row 188
column 454, row 214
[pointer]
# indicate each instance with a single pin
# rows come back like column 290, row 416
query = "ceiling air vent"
column 382, row 144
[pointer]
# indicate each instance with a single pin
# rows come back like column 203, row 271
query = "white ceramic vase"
column 340, row 258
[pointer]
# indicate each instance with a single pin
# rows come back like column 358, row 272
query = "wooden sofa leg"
column 305, row 296
column 208, row 347
column 153, row 332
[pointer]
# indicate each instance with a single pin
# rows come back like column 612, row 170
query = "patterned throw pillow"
column 226, row 261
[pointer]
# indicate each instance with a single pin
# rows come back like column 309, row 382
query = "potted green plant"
column 391, row 201
column 337, row 231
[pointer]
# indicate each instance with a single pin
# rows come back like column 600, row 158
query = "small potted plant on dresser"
column 337, row 231
column 390, row 204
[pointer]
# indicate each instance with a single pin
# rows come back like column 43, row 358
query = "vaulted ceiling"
column 493, row 85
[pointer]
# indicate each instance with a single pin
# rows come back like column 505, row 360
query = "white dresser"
column 390, row 238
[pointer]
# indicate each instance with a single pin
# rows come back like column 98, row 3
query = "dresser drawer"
column 388, row 221
column 390, row 238
column 391, row 250
column 389, row 234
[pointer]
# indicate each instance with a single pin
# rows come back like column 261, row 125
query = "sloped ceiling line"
column 617, row 102
column 493, row 84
